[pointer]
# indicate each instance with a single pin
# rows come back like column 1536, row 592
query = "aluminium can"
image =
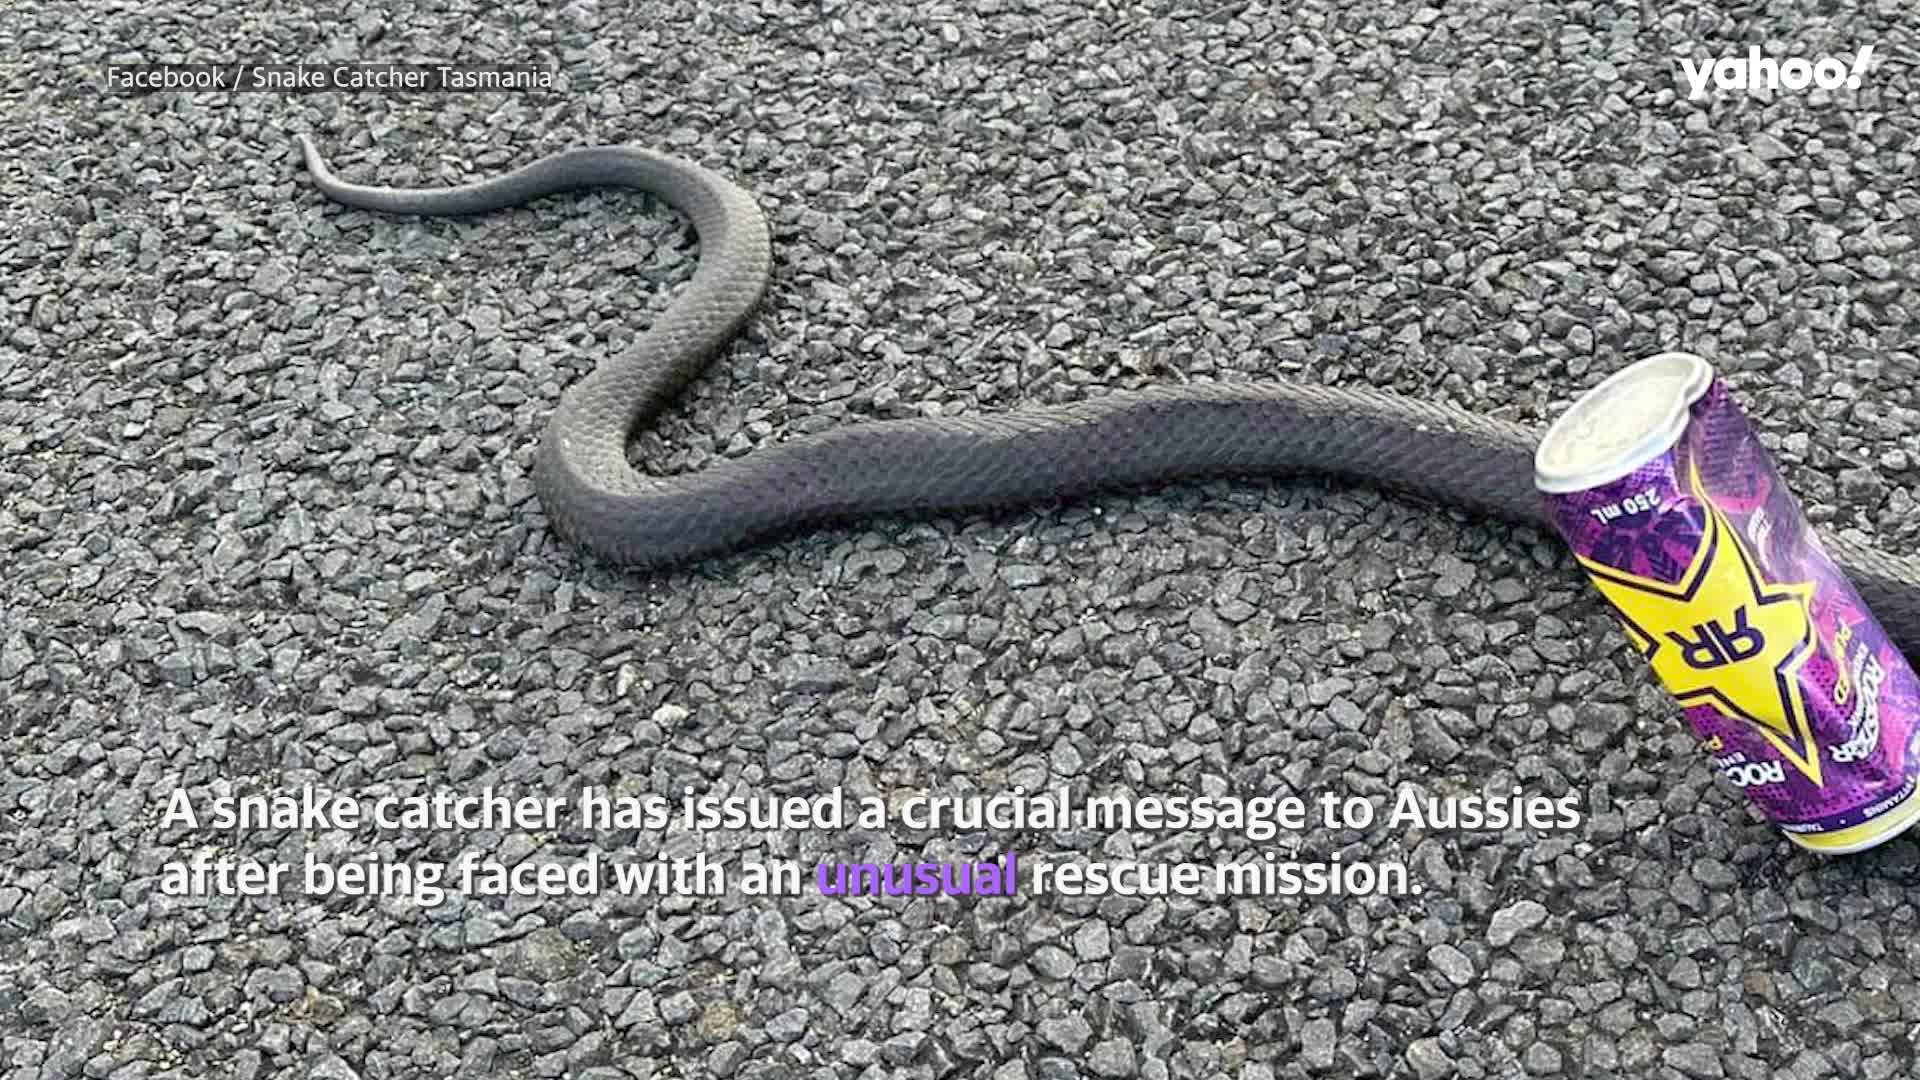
column 1678, row 515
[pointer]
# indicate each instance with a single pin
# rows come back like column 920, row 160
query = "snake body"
column 598, row 500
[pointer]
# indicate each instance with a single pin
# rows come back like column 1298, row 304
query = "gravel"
column 267, row 521
column 1514, row 920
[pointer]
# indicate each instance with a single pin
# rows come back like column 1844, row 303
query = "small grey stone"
column 271, row 278
column 73, row 1044
column 1843, row 1016
column 1513, row 920
column 47, row 1004
column 1324, row 691
column 788, row 1026
column 1317, row 1043
column 1069, row 1033
column 1862, row 484
column 1112, row 1057
column 1053, row 962
column 640, row 1010
column 278, row 985
column 480, row 929
column 1271, row 971
column 1452, row 963
column 1455, row 574
column 725, row 1059
column 1826, row 244
column 1093, row 941
column 1022, row 575
column 582, row 926
column 678, row 1008
column 903, row 1048
column 89, row 929
column 1428, row 1060
column 1434, row 743
column 1694, row 1059
column 333, row 1067
column 543, row 956
column 1685, row 974
column 815, row 675
column 916, row 1011
column 843, row 990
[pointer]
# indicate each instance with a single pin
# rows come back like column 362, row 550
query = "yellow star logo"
column 1724, row 636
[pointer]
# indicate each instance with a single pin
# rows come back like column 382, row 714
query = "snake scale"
column 598, row 500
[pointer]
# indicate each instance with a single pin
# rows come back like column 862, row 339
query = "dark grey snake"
column 598, row 500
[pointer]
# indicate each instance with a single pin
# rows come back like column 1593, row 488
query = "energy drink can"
column 1676, row 512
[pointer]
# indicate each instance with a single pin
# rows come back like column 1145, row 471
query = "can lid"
column 1634, row 416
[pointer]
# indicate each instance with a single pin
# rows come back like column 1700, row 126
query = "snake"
column 595, row 498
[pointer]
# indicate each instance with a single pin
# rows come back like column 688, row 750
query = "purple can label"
column 1799, row 696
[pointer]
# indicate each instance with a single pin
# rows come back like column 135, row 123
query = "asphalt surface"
column 265, row 506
